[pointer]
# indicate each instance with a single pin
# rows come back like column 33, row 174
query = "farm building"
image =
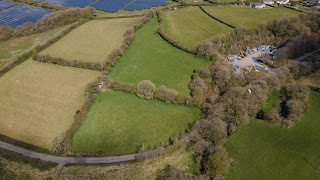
column 268, row 1
column 257, row 5
column 282, row 1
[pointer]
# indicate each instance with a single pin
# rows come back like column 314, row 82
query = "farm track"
column 307, row 55
column 67, row 160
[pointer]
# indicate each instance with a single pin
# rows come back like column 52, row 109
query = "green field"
column 93, row 41
column 190, row 25
column 248, row 16
column 11, row 48
column 38, row 101
column 264, row 151
column 119, row 123
column 149, row 57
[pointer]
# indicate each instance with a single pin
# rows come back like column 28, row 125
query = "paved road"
column 307, row 55
column 67, row 160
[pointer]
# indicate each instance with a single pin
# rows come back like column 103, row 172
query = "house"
column 269, row 1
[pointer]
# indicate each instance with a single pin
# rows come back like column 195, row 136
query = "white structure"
column 259, row 5
column 269, row 1
column 282, row 1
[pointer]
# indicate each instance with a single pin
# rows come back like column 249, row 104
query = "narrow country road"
column 66, row 160
column 307, row 55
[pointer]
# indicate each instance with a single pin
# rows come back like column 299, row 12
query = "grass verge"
column 140, row 170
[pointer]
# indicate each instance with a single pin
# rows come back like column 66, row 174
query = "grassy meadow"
column 11, row 48
column 248, row 16
column 38, row 101
column 190, row 25
column 149, row 57
column 119, row 123
column 264, row 151
column 92, row 41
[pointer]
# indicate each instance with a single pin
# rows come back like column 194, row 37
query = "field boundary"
column 118, row 17
column 28, row 54
column 166, row 38
column 127, row 5
column 10, row 7
column 294, row 9
column 22, row 144
column 216, row 18
column 91, row 3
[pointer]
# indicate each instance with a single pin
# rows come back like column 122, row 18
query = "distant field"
column 190, row 26
column 93, row 41
column 11, row 48
column 119, row 123
column 149, row 57
column 38, row 101
column 248, row 16
column 267, row 152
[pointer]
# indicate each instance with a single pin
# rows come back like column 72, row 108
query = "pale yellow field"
column 38, row 101
column 93, row 41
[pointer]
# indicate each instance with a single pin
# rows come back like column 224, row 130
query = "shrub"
column 181, row 99
column 273, row 114
column 217, row 163
column 171, row 173
column 294, row 109
column 146, row 89
column 213, row 130
column 130, row 88
column 165, row 94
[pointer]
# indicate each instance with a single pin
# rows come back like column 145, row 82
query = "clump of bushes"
column 74, row 63
column 146, row 89
column 170, row 172
column 218, row 163
column 166, row 95
column 290, row 108
column 165, row 36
